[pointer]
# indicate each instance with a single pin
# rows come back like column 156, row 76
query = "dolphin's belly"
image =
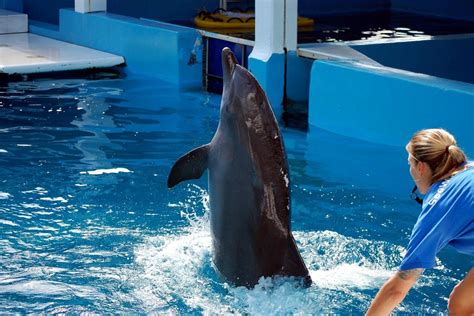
column 247, row 237
column 235, row 200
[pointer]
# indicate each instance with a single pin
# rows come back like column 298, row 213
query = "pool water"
column 87, row 223
column 381, row 25
column 362, row 26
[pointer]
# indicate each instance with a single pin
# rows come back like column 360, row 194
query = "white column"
column 291, row 24
column 223, row 4
column 86, row 6
column 269, row 28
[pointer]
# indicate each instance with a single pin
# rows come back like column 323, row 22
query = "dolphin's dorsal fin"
column 190, row 166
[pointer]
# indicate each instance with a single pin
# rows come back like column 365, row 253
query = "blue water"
column 88, row 225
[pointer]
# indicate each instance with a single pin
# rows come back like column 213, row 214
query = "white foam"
column 5, row 196
column 49, row 289
column 3, row 151
column 106, row 171
column 32, row 205
column 37, row 190
column 177, row 266
column 56, row 199
column 350, row 276
column 9, row 223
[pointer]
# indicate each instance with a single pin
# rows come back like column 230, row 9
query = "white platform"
column 338, row 51
column 26, row 53
column 13, row 22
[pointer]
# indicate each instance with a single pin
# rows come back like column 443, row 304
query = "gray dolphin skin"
column 249, row 186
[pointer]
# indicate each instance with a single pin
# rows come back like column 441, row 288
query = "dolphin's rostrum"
column 248, row 184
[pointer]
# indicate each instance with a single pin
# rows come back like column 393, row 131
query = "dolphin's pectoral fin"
column 294, row 264
column 190, row 166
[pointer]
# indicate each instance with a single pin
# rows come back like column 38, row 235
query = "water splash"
column 173, row 272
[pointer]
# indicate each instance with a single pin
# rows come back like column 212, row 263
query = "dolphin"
column 249, row 188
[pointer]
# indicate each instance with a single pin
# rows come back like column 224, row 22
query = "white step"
column 26, row 53
column 13, row 22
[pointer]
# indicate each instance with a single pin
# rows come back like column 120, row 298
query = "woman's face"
column 420, row 173
column 412, row 162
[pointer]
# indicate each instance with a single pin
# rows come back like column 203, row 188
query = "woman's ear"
column 422, row 167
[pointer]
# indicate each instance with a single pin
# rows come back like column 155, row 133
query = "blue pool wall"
column 298, row 73
column 328, row 7
column 271, row 76
column 447, row 57
column 46, row 11
column 182, row 10
column 154, row 48
column 386, row 105
column 185, row 10
column 455, row 9
column 12, row 5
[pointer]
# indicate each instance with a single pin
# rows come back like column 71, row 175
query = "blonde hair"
column 438, row 148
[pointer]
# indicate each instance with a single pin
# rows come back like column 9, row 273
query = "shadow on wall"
column 449, row 58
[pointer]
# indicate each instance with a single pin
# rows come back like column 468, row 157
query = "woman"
column 441, row 172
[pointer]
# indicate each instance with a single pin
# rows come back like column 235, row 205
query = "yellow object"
column 231, row 20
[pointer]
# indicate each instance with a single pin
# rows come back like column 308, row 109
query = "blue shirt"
column 447, row 218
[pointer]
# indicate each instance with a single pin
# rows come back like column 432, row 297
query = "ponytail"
column 438, row 148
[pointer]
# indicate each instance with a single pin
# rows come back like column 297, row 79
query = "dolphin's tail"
column 294, row 264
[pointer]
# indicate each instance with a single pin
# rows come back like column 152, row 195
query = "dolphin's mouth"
column 229, row 62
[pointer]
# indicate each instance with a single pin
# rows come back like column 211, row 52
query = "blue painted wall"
column 387, row 106
column 298, row 72
column 46, row 10
column 271, row 76
column 180, row 10
column 314, row 8
column 456, row 9
column 157, row 49
column 185, row 10
column 12, row 5
column 446, row 58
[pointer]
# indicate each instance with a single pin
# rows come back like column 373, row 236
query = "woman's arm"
column 393, row 292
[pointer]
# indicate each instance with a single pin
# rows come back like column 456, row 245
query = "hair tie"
column 447, row 148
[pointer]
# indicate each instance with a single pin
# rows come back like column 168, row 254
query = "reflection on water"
column 368, row 26
column 87, row 224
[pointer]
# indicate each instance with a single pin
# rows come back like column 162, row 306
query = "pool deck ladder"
column 25, row 53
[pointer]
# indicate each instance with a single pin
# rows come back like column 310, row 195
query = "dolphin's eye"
column 251, row 98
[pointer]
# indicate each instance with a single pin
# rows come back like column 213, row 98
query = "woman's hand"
column 393, row 292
